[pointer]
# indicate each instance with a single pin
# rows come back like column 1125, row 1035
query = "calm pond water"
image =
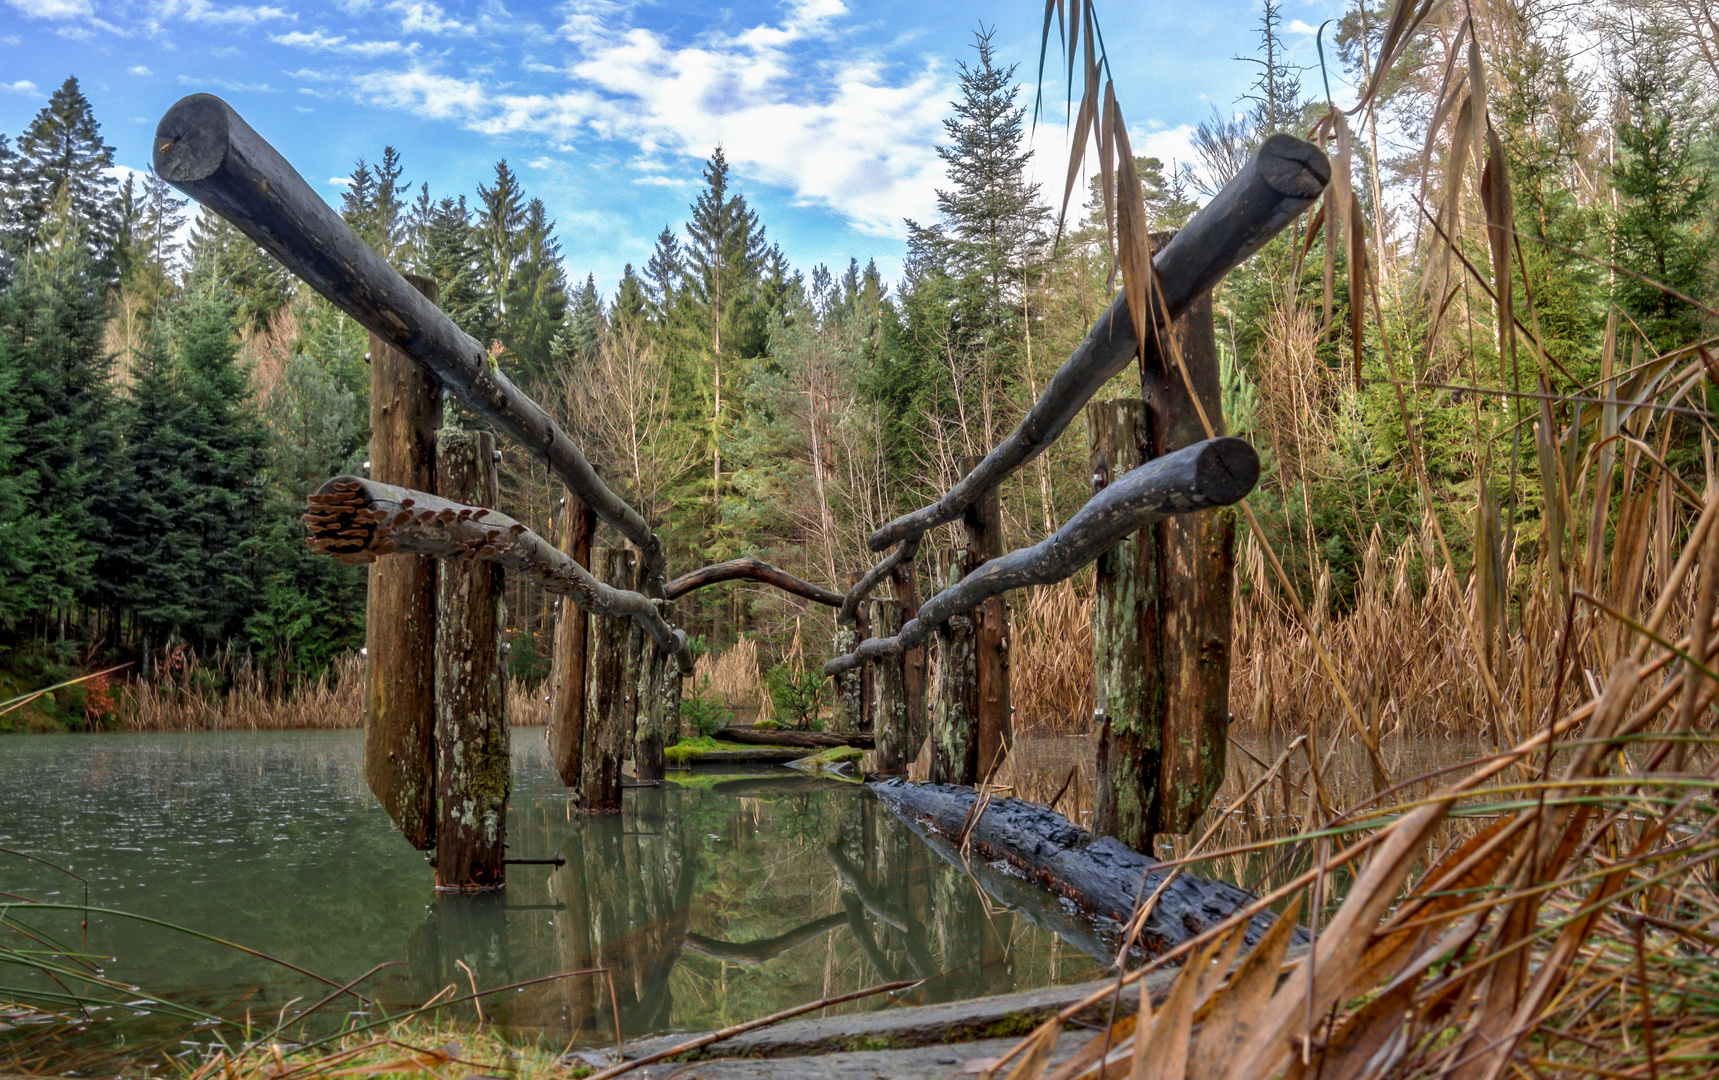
column 715, row 899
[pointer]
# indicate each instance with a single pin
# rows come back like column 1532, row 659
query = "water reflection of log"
column 775, row 786
column 626, row 886
column 753, row 952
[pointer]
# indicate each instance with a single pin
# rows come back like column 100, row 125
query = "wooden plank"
column 1282, row 179
column 983, row 523
column 1217, row 472
column 889, row 724
column 1126, row 644
column 400, row 618
column 473, row 766
column 608, row 700
column 566, row 734
column 954, row 701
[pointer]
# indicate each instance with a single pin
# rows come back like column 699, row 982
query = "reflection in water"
column 710, row 900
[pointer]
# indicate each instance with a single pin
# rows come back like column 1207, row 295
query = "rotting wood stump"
column 473, row 767
column 1103, row 877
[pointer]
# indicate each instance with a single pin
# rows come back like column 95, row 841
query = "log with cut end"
column 357, row 520
column 1213, row 473
column 1102, row 877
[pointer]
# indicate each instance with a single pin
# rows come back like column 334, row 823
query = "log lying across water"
column 1102, row 877
column 810, row 740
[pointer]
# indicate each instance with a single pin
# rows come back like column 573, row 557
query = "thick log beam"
column 357, row 520
column 751, row 570
column 807, row 740
column 1103, row 877
column 1217, row 472
column 206, row 150
column 1282, row 180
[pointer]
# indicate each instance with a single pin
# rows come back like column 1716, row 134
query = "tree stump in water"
column 954, row 705
column 400, row 617
column 608, row 695
column 566, row 734
column 473, row 767
column 889, row 724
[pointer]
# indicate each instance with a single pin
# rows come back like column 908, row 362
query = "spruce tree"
column 220, row 252
column 62, row 157
column 372, row 205
column 632, row 303
column 663, row 275
column 538, row 300
column 448, row 252
column 24, row 550
column 500, row 236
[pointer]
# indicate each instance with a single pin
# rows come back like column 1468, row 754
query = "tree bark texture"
column 1099, row 875
column 889, row 726
column 608, row 694
column 205, row 149
column 904, row 582
column 473, row 767
column 751, row 570
column 657, row 708
column 983, row 523
column 1126, row 628
column 1283, row 179
column 847, row 716
column 954, row 705
column 1217, row 472
column 1196, row 566
column 566, row 734
column 400, row 618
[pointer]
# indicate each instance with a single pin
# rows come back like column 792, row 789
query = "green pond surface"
column 712, row 900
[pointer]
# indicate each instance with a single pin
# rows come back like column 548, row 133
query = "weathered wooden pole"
column 473, row 769
column 851, row 713
column 400, row 618
column 608, row 698
column 904, row 582
column 1196, row 567
column 658, row 712
column 954, row 705
column 566, row 734
column 1125, row 651
column 984, row 527
column 891, row 732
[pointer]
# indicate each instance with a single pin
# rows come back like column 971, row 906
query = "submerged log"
column 205, row 149
column 810, row 740
column 357, row 520
column 1102, row 877
column 1216, row 472
column 566, row 734
column 1284, row 178
column 400, row 616
column 751, row 570
column 474, row 772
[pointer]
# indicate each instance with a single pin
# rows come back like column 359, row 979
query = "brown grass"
column 1050, row 674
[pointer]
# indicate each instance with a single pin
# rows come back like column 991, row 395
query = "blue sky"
column 829, row 110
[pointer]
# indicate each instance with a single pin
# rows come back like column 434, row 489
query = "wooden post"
column 608, row 698
column 868, row 677
column 954, row 705
column 1196, row 567
column 890, row 729
column 850, row 712
column 400, row 618
column 473, row 769
column 566, row 733
column 1125, row 629
column 984, row 526
column 905, row 583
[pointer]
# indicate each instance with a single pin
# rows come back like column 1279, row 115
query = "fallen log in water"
column 755, row 952
column 1102, row 877
column 811, row 740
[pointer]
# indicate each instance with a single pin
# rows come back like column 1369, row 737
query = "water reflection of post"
column 627, row 886
column 468, row 927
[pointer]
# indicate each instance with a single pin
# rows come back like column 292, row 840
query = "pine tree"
column 724, row 256
column 150, row 252
column 220, row 252
column 24, row 550
column 500, row 236
column 584, row 326
column 663, row 275
column 538, row 300
column 371, row 204
column 448, row 252
column 62, row 156
column 632, row 302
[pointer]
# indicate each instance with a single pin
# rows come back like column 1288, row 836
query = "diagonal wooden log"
column 206, row 150
column 750, row 570
column 357, row 520
column 1217, row 472
column 1282, row 180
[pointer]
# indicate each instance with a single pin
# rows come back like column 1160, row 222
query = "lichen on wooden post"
column 473, row 767
column 566, row 722
column 891, row 732
column 1126, row 655
column 847, row 704
column 904, row 582
column 400, row 618
column 608, row 698
column 983, row 522
column 954, row 691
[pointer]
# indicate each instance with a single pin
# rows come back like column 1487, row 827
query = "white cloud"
column 340, row 181
column 663, row 181
column 228, row 85
column 317, row 41
column 54, row 9
column 424, row 17
column 202, row 11
column 22, row 86
column 138, row 69
column 542, row 163
column 1296, row 26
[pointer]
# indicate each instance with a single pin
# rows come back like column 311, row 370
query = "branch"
column 357, row 520
column 849, row 614
column 1281, row 181
column 750, row 570
column 1208, row 474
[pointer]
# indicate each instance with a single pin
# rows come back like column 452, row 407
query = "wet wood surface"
column 566, row 721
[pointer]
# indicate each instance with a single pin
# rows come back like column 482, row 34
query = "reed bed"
column 234, row 694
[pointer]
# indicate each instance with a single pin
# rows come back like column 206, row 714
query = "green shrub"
column 797, row 693
column 702, row 713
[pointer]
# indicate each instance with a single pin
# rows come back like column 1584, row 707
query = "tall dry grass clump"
column 1050, row 672
column 188, row 696
column 733, row 677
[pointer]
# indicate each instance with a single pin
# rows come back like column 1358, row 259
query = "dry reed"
column 1050, row 674
column 188, row 696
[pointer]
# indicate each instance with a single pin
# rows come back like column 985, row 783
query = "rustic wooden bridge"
column 436, row 739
